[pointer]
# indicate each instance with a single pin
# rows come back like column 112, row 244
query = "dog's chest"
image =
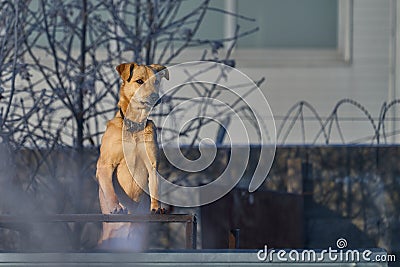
column 136, row 138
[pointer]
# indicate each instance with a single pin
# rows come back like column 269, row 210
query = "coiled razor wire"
column 379, row 132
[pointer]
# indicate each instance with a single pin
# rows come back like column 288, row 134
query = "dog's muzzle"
column 151, row 100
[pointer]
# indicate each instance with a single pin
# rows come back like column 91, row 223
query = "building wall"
column 365, row 80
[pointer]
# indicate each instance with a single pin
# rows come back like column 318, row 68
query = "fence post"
column 191, row 233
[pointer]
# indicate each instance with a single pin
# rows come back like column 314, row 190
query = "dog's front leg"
column 108, row 199
column 154, row 191
column 151, row 166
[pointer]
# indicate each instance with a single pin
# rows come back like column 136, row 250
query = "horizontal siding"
column 365, row 81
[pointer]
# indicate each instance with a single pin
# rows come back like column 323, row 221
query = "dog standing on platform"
column 138, row 93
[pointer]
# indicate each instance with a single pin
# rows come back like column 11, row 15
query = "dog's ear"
column 161, row 70
column 125, row 70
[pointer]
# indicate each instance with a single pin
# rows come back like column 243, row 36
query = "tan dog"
column 139, row 91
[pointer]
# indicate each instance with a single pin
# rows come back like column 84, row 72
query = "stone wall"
column 347, row 192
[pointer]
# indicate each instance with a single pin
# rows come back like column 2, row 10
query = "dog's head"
column 140, row 82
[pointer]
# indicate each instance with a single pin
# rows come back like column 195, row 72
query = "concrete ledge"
column 160, row 258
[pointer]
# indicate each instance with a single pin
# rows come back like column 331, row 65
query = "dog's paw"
column 159, row 211
column 119, row 209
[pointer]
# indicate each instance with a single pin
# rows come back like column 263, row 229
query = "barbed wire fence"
column 378, row 133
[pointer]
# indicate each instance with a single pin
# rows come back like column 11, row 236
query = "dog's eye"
column 140, row 81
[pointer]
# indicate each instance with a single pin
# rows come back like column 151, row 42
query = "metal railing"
column 188, row 219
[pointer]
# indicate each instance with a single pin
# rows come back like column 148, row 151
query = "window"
column 291, row 23
column 293, row 32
